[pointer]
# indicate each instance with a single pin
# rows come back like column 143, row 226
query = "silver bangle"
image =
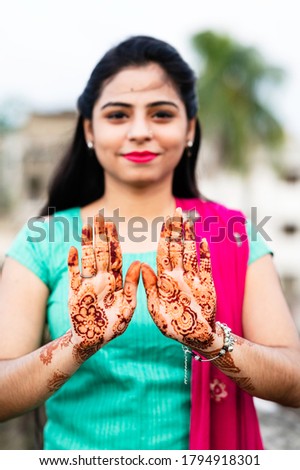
column 227, row 345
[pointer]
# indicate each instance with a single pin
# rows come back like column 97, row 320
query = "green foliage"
column 232, row 85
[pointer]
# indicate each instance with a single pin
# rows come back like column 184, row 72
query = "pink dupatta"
column 222, row 415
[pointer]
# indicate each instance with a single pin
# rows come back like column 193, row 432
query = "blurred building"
column 28, row 157
column 270, row 196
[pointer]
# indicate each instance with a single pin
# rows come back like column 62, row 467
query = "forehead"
column 149, row 81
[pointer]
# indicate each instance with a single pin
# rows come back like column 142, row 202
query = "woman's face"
column 139, row 126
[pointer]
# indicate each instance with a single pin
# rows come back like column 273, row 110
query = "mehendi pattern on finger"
column 163, row 257
column 88, row 262
column 57, row 380
column 206, row 296
column 115, row 256
column 190, row 259
column 75, row 279
column 176, row 244
column 100, row 243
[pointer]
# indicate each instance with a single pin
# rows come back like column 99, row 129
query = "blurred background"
column 245, row 55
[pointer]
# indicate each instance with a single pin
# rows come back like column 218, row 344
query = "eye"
column 163, row 115
column 116, row 115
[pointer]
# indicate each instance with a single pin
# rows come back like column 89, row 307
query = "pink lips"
column 140, row 157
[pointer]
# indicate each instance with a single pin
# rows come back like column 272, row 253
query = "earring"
column 189, row 146
column 90, row 144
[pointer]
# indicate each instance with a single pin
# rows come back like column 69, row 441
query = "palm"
column 181, row 298
column 100, row 307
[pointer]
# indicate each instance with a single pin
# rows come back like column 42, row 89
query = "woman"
column 110, row 379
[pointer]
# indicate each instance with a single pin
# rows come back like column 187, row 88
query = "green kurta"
column 131, row 393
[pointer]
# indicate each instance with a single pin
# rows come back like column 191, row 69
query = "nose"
column 139, row 131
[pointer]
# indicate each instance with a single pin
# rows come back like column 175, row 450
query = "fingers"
column 205, row 260
column 101, row 244
column 207, row 293
column 190, row 258
column 74, row 271
column 176, row 244
column 88, row 264
column 115, row 254
column 163, row 255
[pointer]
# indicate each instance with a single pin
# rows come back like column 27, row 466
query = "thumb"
column 149, row 278
column 131, row 283
column 150, row 282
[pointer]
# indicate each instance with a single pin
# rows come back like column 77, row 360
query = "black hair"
column 79, row 178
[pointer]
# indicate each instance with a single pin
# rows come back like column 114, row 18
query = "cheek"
column 108, row 137
column 174, row 139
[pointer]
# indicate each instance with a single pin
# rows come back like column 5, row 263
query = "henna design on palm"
column 182, row 298
column 100, row 307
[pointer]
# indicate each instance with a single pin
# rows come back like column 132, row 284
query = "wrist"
column 223, row 344
column 83, row 350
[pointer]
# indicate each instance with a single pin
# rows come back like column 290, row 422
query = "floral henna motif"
column 168, row 288
column 177, row 307
column 89, row 319
column 186, row 323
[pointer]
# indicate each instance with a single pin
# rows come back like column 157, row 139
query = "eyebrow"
column 150, row 105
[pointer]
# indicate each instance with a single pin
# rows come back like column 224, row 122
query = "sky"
column 49, row 47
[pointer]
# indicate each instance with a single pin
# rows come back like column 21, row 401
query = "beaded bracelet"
column 227, row 346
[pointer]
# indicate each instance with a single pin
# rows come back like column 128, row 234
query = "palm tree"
column 231, row 87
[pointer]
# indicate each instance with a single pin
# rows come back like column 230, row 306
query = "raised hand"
column 182, row 298
column 100, row 306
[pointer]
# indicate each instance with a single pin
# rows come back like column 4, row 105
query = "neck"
column 152, row 203
column 148, row 202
